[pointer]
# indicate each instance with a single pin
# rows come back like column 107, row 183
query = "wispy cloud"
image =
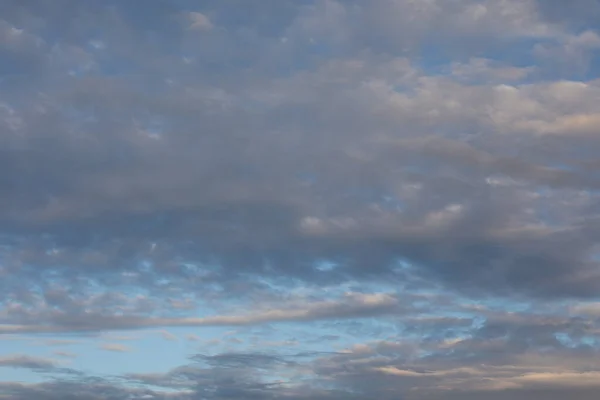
column 169, row 336
column 115, row 347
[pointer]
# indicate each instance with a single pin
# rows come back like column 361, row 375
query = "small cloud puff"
column 199, row 21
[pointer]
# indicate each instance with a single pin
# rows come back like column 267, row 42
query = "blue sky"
column 299, row 199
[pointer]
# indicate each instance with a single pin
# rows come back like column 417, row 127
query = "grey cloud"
column 421, row 146
column 230, row 239
column 36, row 364
column 254, row 360
column 27, row 362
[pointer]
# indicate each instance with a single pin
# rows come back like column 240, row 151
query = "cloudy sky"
column 299, row 199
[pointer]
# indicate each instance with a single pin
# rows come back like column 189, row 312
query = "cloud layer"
column 387, row 199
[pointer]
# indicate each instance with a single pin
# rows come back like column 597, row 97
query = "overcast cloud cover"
column 299, row 199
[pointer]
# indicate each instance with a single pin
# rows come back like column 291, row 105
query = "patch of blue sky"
column 565, row 340
column 590, row 341
column 433, row 62
column 149, row 353
column 479, row 321
column 326, row 265
column 25, row 345
column 145, row 351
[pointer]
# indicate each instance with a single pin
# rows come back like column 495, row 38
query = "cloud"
column 21, row 361
column 199, row 21
column 193, row 338
column 351, row 305
column 39, row 365
column 169, row 336
column 403, row 192
column 115, row 347
column 82, row 389
column 60, row 342
column 487, row 70
column 65, row 354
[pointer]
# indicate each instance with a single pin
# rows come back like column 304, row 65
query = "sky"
column 299, row 199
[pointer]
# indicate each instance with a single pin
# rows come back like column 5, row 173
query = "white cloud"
column 199, row 21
